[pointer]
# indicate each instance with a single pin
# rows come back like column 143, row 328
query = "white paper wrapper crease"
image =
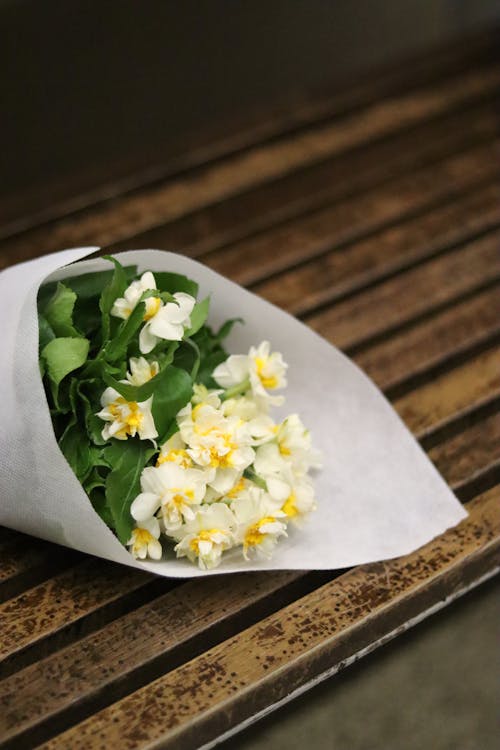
column 378, row 494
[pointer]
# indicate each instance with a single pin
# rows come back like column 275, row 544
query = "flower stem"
column 236, row 390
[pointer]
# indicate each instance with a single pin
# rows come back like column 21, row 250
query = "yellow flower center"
column 290, row 506
column 141, row 537
column 238, row 487
column 268, row 381
column 179, row 456
column 181, row 497
column 153, row 304
column 254, row 535
column 127, row 412
column 203, row 536
column 283, row 449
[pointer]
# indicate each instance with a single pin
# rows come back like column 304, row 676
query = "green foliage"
column 84, row 349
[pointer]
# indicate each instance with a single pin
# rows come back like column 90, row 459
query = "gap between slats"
column 413, row 74
column 68, row 678
column 119, row 218
column 268, row 660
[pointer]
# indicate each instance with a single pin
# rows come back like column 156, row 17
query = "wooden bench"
column 373, row 215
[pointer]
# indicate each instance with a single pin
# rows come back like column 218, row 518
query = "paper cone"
column 378, row 494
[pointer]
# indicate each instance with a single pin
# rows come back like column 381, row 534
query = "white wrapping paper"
column 378, row 494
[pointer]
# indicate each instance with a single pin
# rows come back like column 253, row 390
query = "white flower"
column 259, row 527
column 126, row 418
column 175, row 450
column 144, row 540
column 217, row 443
column 269, row 461
column 166, row 322
column 260, row 371
column 141, row 371
column 294, row 443
column 201, row 395
column 260, row 426
column 234, row 371
column 293, row 492
column 174, row 490
column 123, row 306
column 207, row 535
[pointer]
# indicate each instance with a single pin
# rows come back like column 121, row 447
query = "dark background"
column 102, row 89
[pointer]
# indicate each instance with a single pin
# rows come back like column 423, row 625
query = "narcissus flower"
column 123, row 306
column 167, row 321
column 126, row 418
column 260, row 371
column 259, row 524
column 216, row 443
column 174, row 450
column 173, row 490
column 207, row 535
column 141, row 371
column 144, row 540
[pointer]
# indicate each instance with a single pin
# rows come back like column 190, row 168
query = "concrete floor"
column 435, row 687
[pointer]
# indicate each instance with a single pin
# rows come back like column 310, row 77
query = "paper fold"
column 378, row 495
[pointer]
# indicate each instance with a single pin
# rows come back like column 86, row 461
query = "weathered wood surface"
column 375, row 217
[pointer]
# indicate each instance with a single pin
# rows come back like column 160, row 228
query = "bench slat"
column 352, row 219
column 110, row 222
column 401, row 299
column 306, row 641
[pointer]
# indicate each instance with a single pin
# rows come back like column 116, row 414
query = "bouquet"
column 170, row 437
column 140, row 416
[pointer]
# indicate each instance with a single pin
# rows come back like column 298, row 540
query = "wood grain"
column 375, row 217
column 350, row 220
column 46, row 696
column 389, row 305
column 348, row 269
column 266, row 662
column 47, row 609
column 117, row 219
column 452, row 395
column 468, row 455
column 419, row 351
column 312, row 187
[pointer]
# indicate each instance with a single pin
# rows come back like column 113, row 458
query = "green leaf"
column 123, row 483
column 198, row 316
column 110, row 293
column 76, row 449
column 226, row 329
column 173, row 392
column 45, row 332
column 86, row 286
column 208, row 365
column 175, row 282
column 117, row 348
column 63, row 355
column 98, row 499
column 59, row 311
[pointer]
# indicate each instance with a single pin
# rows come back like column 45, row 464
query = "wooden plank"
column 47, row 696
column 309, row 639
column 25, row 561
column 93, row 185
column 52, row 606
column 110, row 222
column 320, row 184
column 451, row 395
column 352, row 219
column 418, row 352
column 470, row 454
column 349, row 269
column 389, row 305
